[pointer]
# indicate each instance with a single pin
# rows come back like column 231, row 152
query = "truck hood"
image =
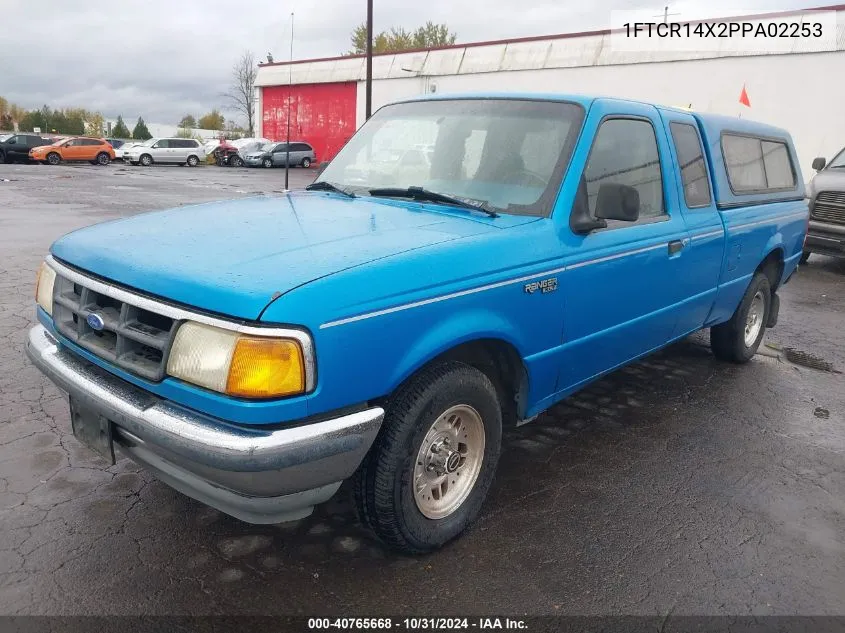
column 828, row 180
column 233, row 257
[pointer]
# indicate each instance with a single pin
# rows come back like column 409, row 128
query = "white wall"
column 803, row 93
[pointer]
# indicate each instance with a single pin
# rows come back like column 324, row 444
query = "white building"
column 797, row 84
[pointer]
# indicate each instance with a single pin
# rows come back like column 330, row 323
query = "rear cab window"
column 757, row 165
column 696, row 180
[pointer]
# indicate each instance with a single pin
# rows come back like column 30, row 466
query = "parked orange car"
column 97, row 151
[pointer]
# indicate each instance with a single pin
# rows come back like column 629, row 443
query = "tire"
column 193, row 161
column 53, row 158
column 306, row 162
column 2, row 158
column 267, row 163
column 236, row 161
column 731, row 341
column 418, row 416
column 146, row 160
column 804, row 257
column 102, row 159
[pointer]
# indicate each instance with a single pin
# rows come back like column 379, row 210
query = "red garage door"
column 320, row 114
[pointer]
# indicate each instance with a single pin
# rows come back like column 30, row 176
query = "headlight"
column 44, row 287
column 237, row 364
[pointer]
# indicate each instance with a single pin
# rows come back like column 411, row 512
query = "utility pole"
column 369, row 82
column 290, row 98
column 665, row 15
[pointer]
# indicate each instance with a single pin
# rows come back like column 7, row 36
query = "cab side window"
column 691, row 160
column 625, row 152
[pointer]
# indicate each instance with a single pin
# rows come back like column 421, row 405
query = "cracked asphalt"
column 679, row 485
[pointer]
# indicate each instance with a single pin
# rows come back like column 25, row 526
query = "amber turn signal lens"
column 265, row 368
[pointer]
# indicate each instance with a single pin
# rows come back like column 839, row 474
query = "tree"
column 242, row 91
column 188, row 122
column 120, row 130
column 212, row 121
column 141, row 132
column 94, row 124
column 430, row 35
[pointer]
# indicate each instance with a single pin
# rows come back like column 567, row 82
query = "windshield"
column 507, row 153
column 3, row 137
column 266, row 147
column 148, row 142
column 838, row 160
column 61, row 141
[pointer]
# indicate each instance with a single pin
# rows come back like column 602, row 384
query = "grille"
column 132, row 338
column 830, row 207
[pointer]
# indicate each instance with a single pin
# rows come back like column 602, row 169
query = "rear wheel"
column 53, row 158
column 146, row 160
column 103, row 158
column 430, row 468
column 306, row 162
column 804, row 257
column 737, row 340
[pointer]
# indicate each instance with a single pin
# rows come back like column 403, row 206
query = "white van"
column 182, row 151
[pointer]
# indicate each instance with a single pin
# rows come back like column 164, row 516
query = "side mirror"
column 12, row 141
column 819, row 163
column 618, row 202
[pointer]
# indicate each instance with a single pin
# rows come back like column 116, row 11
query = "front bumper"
column 254, row 474
column 826, row 238
column 252, row 162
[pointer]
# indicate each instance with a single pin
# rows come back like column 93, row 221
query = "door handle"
column 675, row 247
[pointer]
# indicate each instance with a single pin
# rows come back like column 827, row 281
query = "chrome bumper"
column 254, row 474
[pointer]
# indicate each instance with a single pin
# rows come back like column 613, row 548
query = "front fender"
column 458, row 328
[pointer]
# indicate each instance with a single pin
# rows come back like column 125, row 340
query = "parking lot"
column 679, row 485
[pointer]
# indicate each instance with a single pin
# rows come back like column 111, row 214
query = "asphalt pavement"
column 678, row 485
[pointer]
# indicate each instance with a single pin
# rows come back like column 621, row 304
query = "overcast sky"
column 161, row 59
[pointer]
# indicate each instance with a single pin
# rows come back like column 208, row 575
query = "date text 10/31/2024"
column 417, row 624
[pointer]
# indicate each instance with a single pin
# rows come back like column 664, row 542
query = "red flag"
column 743, row 98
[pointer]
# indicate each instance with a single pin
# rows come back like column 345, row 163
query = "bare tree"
column 242, row 91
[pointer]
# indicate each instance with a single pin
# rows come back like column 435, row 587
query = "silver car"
column 181, row 151
column 275, row 154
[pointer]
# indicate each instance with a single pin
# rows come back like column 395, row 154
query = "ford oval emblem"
column 95, row 321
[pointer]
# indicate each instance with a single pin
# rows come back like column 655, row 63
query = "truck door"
column 624, row 284
column 705, row 252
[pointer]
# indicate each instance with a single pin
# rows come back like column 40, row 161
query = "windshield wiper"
column 322, row 185
column 418, row 193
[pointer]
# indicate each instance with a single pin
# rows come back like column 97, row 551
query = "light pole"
column 369, row 82
column 290, row 98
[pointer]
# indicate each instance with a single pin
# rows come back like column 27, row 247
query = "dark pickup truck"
column 826, row 195
column 15, row 147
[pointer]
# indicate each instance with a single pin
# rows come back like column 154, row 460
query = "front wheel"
column 2, row 158
column 737, row 340
column 429, row 470
column 804, row 257
column 193, row 161
column 267, row 163
column 236, row 161
column 53, row 158
column 146, row 160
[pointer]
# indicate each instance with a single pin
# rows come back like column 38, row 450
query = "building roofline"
column 539, row 38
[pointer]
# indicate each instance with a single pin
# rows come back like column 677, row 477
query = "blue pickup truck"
column 387, row 323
